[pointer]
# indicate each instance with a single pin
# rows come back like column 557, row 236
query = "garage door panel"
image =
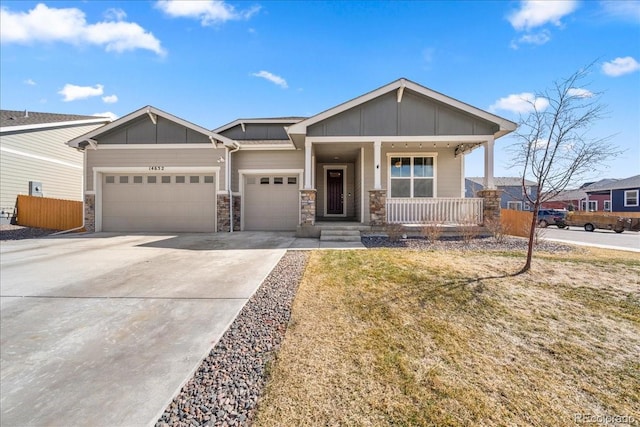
column 271, row 206
column 159, row 207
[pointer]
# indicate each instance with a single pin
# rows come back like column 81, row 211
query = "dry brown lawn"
column 424, row 338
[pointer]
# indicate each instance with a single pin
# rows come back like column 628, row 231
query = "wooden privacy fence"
column 54, row 214
column 516, row 223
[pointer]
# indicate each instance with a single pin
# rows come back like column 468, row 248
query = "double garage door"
column 271, row 202
column 159, row 203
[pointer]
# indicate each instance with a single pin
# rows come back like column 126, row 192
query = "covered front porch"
column 364, row 182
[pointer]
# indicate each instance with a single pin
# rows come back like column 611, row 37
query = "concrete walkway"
column 104, row 329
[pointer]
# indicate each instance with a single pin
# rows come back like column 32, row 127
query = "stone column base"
column 90, row 212
column 307, row 207
column 377, row 207
column 491, row 205
column 222, row 212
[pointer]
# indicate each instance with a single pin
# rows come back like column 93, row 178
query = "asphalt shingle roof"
column 23, row 118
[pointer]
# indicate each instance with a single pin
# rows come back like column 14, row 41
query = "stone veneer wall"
column 491, row 204
column 90, row 212
column 307, row 207
column 223, row 212
column 377, row 207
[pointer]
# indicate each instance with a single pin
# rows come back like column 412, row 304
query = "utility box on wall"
column 35, row 189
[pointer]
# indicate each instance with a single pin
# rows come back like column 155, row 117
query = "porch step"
column 329, row 235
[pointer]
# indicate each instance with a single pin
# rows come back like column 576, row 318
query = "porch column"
column 488, row 165
column 377, row 145
column 307, row 165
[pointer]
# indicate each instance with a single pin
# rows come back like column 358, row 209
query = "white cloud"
column 620, row 66
column 579, row 92
column 536, row 13
column 628, row 10
column 109, row 114
column 110, row 99
column 44, row 24
column 30, row 82
column 539, row 38
column 73, row 92
column 272, row 78
column 208, row 12
column 520, row 103
column 115, row 14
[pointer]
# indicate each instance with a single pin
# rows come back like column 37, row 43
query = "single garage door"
column 162, row 203
column 271, row 202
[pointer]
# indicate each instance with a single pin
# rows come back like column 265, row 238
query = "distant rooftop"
column 24, row 118
column 504, row 181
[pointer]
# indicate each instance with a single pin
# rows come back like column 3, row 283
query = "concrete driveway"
column 104, row 329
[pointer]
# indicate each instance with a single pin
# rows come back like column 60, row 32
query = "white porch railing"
column 441, row 210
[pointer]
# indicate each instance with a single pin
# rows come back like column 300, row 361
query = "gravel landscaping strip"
column 484, row 243
column 225, row 389
column 17, row 232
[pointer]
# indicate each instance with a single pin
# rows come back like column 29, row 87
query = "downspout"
column 228, row 178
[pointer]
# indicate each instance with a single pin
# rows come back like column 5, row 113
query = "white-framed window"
column 630, row 198
column 590, row 205
column 516, row 206
column 412, row 175
column 607, row 205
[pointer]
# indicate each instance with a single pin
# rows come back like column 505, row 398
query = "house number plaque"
column 156, row 168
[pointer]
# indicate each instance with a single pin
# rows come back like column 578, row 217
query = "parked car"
column 548, row 217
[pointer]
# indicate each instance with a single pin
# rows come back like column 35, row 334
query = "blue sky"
column 211, row 62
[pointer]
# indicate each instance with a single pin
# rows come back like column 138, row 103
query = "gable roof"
column 619, row 184
column 505, row 126
column 151, row 112
column 12, row 120
column 266, row 120
column 505, row 181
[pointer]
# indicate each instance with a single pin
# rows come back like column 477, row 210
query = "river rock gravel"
column 224, row 390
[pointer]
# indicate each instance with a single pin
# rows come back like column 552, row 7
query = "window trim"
column 413, row 155
column 626, row 203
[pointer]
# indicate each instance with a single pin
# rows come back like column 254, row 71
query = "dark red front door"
column 335, row 196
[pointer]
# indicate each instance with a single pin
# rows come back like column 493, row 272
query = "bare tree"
column 553, row 147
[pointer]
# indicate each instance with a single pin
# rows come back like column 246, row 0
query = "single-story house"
column 512, row 194
column 35, row 159
column 393, row 155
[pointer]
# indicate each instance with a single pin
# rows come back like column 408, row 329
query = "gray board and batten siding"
column 257, row 131
column 143, row 131
column 416, row 115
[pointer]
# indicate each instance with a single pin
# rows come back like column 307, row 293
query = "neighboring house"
column 621, row 195
column 34, row 158
column 395, row 154
column 512, row 194
column 570, row 200
column 606, row 195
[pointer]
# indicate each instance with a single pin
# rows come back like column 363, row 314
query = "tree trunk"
column 532, row 235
